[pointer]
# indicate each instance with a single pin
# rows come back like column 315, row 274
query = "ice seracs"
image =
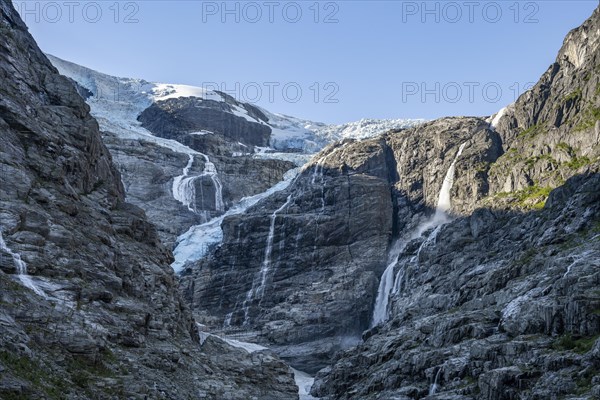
column 193, row 245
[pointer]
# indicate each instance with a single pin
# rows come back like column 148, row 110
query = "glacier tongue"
column 194, row 244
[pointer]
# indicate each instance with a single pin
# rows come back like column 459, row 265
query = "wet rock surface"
column 499, row 302
column 502, row 303
column 149, row 170
column 494, row 278
column 302, row 266
column 511, row 312
column 105, row 320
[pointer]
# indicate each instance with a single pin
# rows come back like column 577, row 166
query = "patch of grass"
column 566, row 148
column 584, row 383
column 531, row 132
column 527, row 257
column 574, row 95
column 580, row 345
column 30, row 371
column 569, row 244
column 590, row 116
column 578, row 162
column 482, row 167
column 531, row 161
column 81, row 370
column 533, row 197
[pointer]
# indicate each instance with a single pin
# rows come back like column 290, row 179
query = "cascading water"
column 444, row 202
column 390, row 285
column 386, row 284
column 434, row 386
column 21, row 268
column 259, row 282
column 211, row 171
column 194, row 244
column 184, row 187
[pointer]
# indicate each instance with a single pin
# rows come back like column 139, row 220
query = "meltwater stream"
column 258, row 284
column 303, row 380
column 389, row 283
column 21, row 268
column 184, row 187
column 194, row 244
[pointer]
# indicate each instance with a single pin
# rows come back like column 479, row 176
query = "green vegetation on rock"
column 578, row 345
column 532, row 131
column 533, row 197
column 589, row 118
column 574, row 95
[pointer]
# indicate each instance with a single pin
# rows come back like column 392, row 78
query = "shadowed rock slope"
column 98, row 315
column 301, row 269
column 503, row 303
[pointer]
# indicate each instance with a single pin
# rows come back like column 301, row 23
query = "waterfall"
column 431, row 238
column 21, row 268
column 444, row 203
column 184, row 187
column 434, row 387
column 194, row 244
column 211, row 171
column 388, row 285
column 259, row 291
column 229, row 317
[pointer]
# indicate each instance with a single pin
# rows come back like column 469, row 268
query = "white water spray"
column 21, row 268
column 259, row 282
column 184, row 187
column 194, row 244
column 434, row 387
column 388, row 285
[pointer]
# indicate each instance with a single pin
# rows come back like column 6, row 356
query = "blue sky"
column 325, row 61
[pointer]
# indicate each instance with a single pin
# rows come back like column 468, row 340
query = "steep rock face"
column 173, row 118
column 503, row 303
column 510, row 310
column 424, row 154
column 301, row 268
column 308, row 243
column 148, row 172
column 504, row 163
column 551, row 132
column 89, row 306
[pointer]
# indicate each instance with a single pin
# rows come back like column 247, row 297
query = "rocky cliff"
column 467, row 225
column 502, row 303
column 88, row 303
column 209, row 127
column 175, row 117
column 326, row 238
